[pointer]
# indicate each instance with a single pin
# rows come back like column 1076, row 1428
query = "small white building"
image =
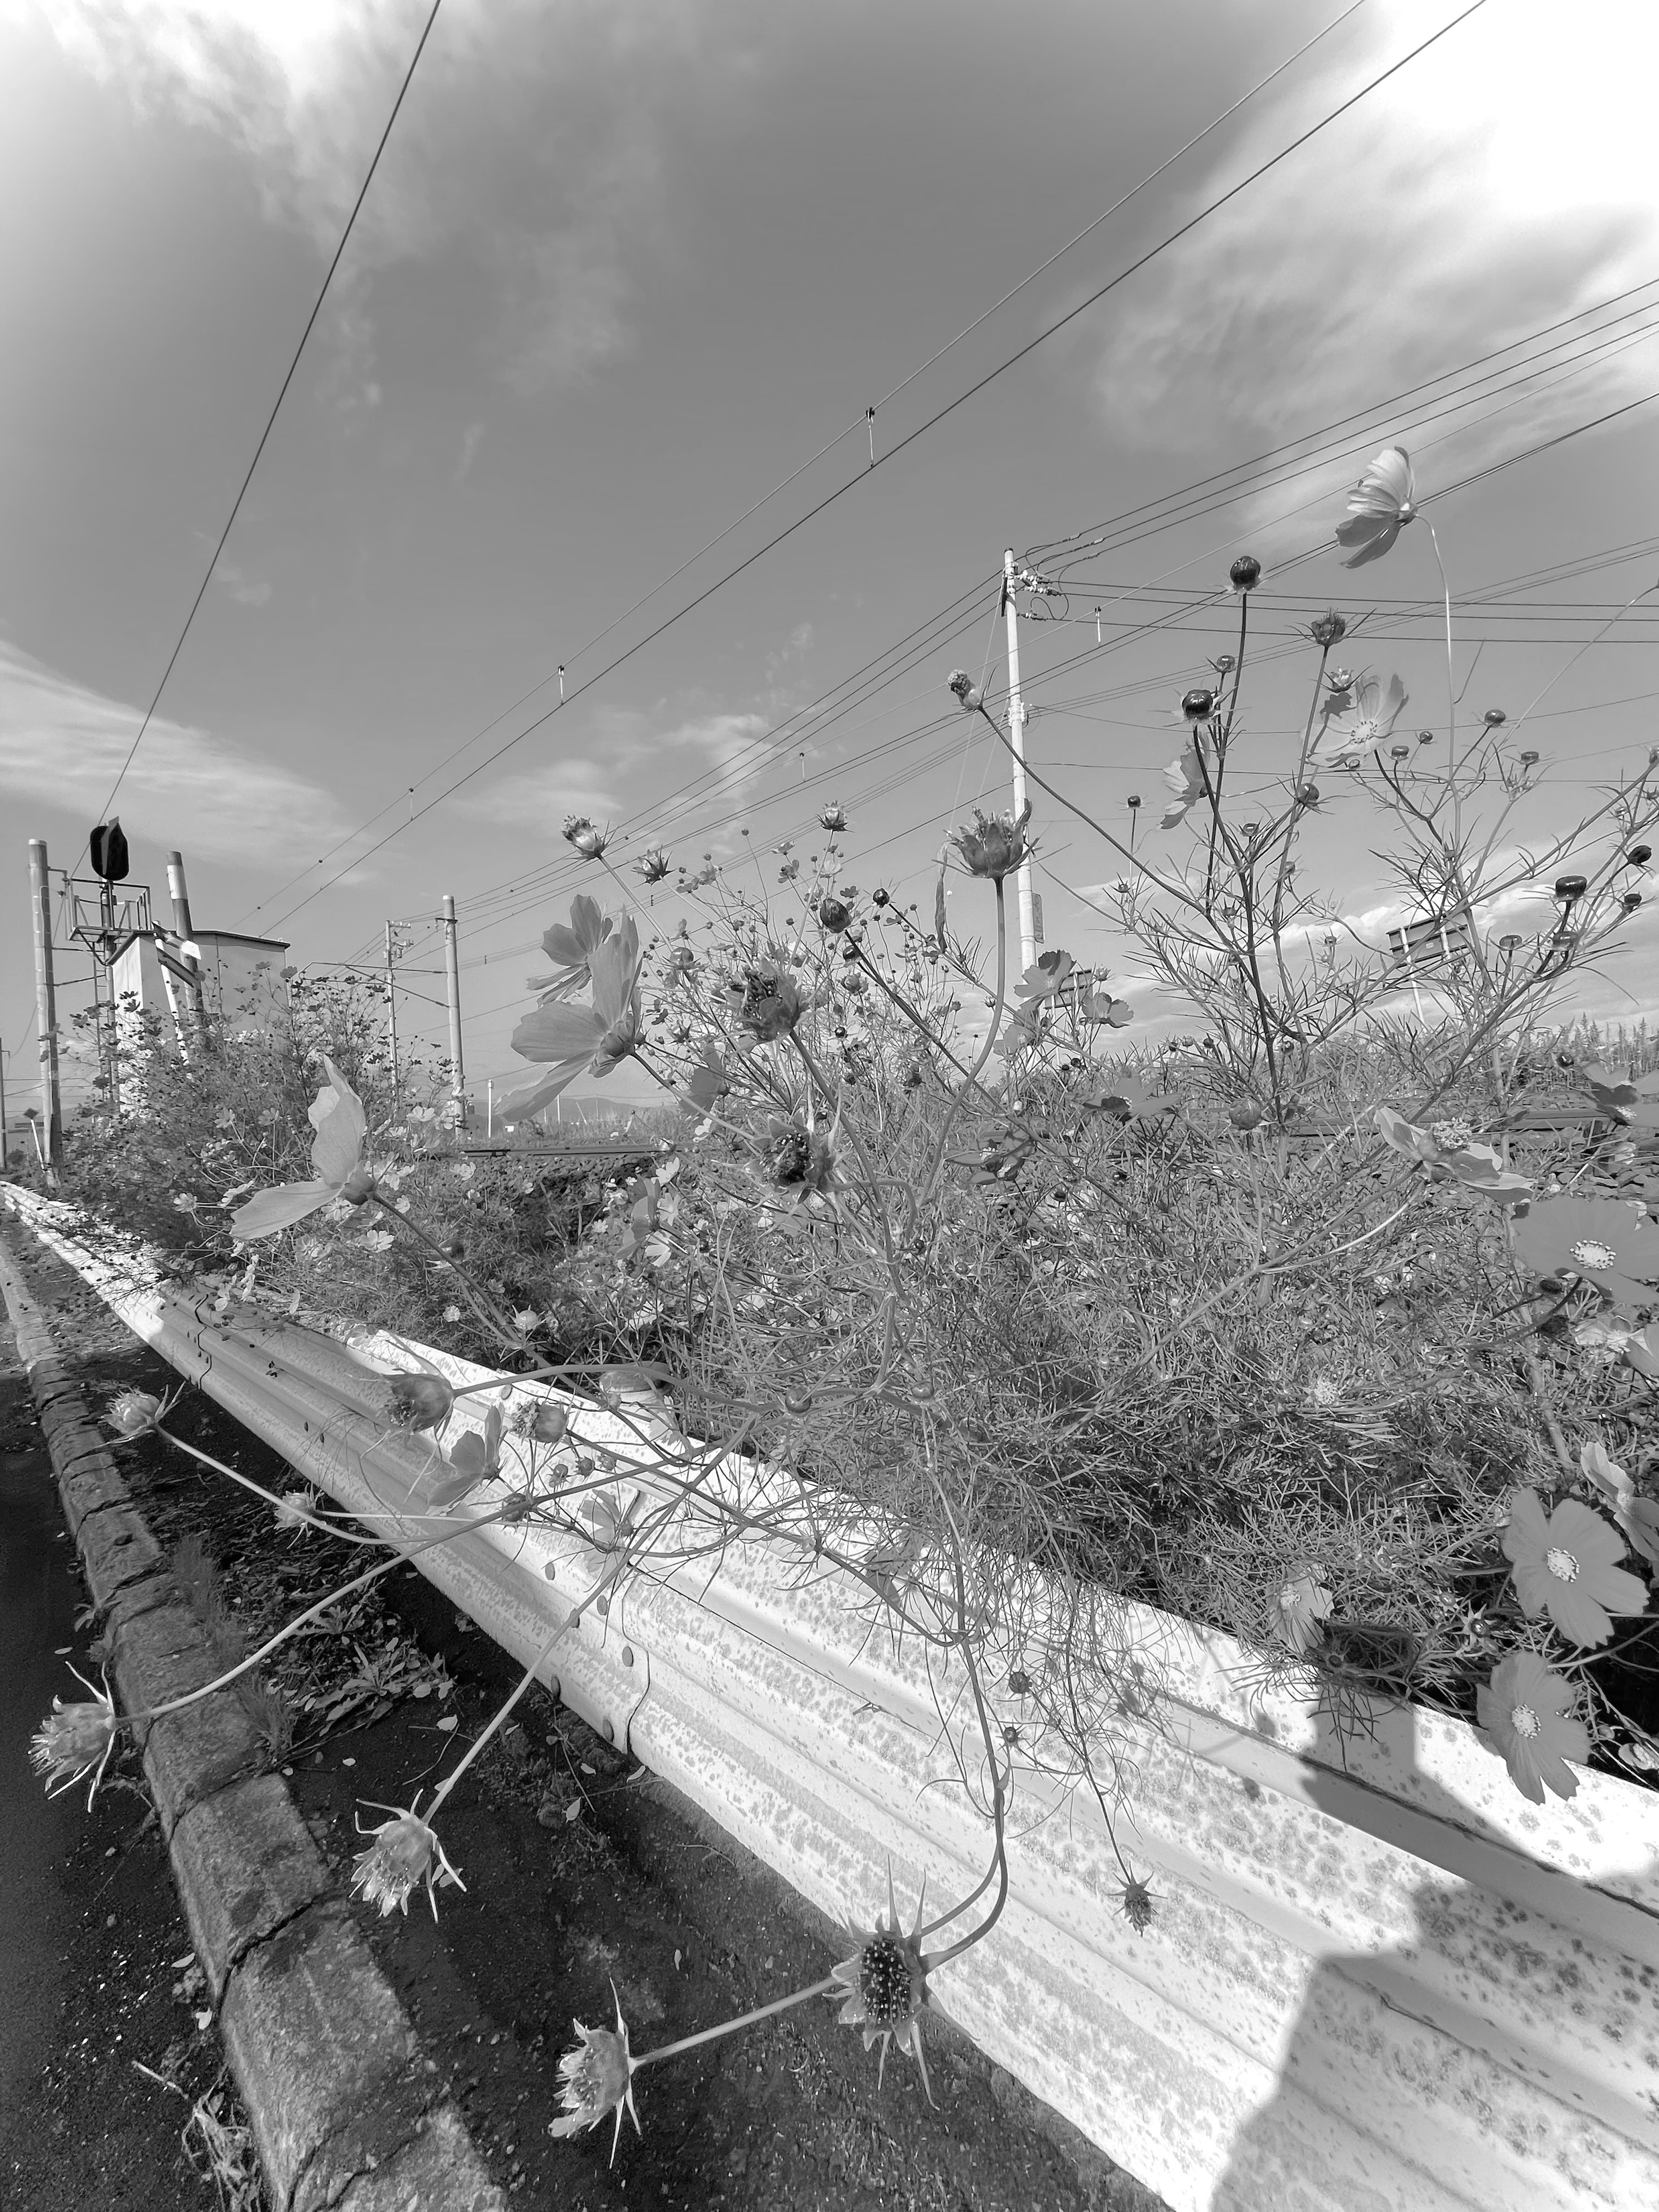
column 243, row 985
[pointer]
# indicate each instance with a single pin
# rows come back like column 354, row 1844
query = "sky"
column 623, row 271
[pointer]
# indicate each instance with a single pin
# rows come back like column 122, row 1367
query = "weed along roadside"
column 614, row 1877
column 1157, row 1546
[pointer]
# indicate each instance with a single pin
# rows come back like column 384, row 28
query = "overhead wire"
column 270, row 420
column 928, row 423
column 740, row 765
column 794, row 477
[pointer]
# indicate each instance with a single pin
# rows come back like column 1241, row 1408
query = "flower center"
column 1524, row 1720
column 1562, row 1565
column 884, row 1981
column 1589, row 1252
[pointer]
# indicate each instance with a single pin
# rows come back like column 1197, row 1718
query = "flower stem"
column 360, row 1582
column 311, row 1520
column 452, row 1778
column 731, row 2026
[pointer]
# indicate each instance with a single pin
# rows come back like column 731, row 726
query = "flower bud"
column 1245, row 1113
column 418, row 1401
column 548, row 1423
column 588, row 841
column 134, row 1413
column 833, row 913
column 1329, row 630
column 358, row 1186
column 833, row 817
column 1198, row 705
column 655, row 864
column 1245, row 574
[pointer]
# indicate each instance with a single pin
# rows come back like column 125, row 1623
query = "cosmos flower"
column 597, row 1038
column 294, row 1508
column 337, row 1158
column 405, row 1853
column 76, row 1739
column 1379, row 507
column 1186, row 778
column 767, row 1003
column 968, row 695
column 833, row 817
column 1524, row 1713
column 1638, row 1518
column 1303, row 1604
column 996, row 844
column 1565, row 1566
column 1599, row 1239
column 571, row 948
column 1358, row 717
column 886, row 1984
column 655, row 864
column 588, row 841
column 598, row 2079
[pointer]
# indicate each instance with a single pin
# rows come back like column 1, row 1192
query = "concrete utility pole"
column 46, row 1010
column 1017, row 739
column 179, row 891
column 452, row 978
column 391, row 1015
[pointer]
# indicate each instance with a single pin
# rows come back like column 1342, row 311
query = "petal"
column 1577, row 1613
column 268, row 1211
column 1534, row 1585
column 542, row 1092
column 559, row 1033
column 1377, row 547
column 336, row 1114
column 1593, row 1541
column 1527, row 1538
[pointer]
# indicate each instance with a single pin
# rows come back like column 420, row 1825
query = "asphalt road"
column 90, row 1928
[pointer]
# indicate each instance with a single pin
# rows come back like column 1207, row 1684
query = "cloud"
column 531, row 137
column 1486, row 191
column 472, row 439
column 247, row 591
column 634, row 754
column 62, row 746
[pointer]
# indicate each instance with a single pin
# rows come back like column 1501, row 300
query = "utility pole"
column 2, row 1106
column 452, row 977
column 391, row 1016
column 1017, row 739
column 180, row 893
column 45, row 1006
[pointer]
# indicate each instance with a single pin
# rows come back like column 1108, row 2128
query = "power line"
column 930, row 423
column 1154, row 516
column 270, row 422
column 794, row 477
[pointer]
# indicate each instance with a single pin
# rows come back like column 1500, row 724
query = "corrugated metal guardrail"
column 1382, row 1981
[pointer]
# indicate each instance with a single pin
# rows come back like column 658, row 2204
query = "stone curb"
column 346, row 2113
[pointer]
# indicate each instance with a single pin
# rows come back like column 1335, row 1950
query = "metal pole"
column 180, row 893
column 113, row 1061
column 452, row 977
column 1017, row 739
column 2, row 1106
column 391, row 1015
column 46, row 1006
